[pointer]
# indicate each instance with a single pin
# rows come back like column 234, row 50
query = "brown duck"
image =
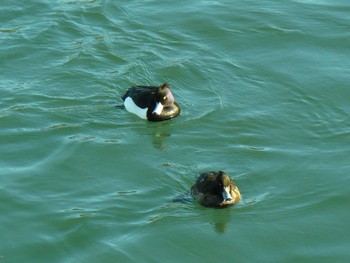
column 215, row 189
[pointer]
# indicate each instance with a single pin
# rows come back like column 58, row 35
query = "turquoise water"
column 264, row 91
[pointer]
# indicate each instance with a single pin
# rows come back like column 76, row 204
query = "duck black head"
column 164, row 98
column 223, row 183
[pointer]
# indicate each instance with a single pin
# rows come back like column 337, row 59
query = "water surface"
column 264, row 91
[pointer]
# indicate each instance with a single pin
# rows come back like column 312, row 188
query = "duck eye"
column 165, row 97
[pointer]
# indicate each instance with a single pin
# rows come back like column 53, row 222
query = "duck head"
column 223, row 183
column 164, row 98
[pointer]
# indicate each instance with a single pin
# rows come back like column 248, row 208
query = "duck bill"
column 158, row 109
column 226, row 194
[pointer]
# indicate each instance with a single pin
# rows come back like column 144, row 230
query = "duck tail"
column 120, row 107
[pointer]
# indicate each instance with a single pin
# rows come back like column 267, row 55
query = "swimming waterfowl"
column 151, row 103
column 215, row 189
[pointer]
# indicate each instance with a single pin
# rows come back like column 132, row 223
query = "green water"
column 264, row 92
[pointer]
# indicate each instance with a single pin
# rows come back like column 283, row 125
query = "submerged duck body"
column 215, row 189
column 151, row 102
